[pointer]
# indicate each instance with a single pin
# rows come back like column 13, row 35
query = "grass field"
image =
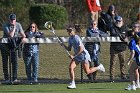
column 62, row 88
column 54, row 66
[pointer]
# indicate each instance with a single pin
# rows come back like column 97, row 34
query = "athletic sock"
column 73, row 82
column 137, row 82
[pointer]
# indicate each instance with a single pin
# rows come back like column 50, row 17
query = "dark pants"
column 9, row 56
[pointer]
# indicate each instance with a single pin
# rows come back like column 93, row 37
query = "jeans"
column 95, row 55
column 31, row 65
column 11, row 56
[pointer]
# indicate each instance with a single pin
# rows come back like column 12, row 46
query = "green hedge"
column 48, row 12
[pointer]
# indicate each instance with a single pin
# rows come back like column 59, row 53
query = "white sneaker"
column 16, row 81
column 71, row 86
column 131, row 87
column 137, row 85
column 101, row 68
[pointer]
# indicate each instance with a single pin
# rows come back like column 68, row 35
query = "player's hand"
column 71, row 56
column 128, row 63
column 24, row 40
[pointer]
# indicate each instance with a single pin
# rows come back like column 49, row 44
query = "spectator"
column 31, row 53
column 81, row 56
column 119, row 29
column 10, row 30
column 110, row 17
column 94, row 7
column 134, row 45
column 102, row 24
column 94, row 47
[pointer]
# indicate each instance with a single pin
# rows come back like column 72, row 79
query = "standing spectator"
column 94, row 7
column 94, row 47
column 81, row 55
column 10, row 30
column 134, row 45
column 119, row 29
column 110, row 16
column 31, row 53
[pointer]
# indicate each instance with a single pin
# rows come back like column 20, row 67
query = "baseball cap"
column 111, row 7
column 118, row 18
column 12, row 16
column 136, row 25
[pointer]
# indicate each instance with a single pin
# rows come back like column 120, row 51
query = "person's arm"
column 39, row 35
column 132, row 54
column 81, row 49
column 12, row 31
column 21, row 31
column 9, row 30
column 88, row 32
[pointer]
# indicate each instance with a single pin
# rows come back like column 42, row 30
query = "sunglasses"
column 93, row 23
column 136, row 26
column 32, row 26
column 118, row 20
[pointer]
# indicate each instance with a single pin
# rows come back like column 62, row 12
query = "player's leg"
column 137, row 78
column 132, row 70
column 89, row 70
column 72, row 66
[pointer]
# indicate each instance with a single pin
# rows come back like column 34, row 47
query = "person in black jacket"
column 110, row 17
column 118, row 48
column 31, row 53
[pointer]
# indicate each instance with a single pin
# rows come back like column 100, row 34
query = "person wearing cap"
column 10, row 30
column 94, row 7
column 94, row 47
column 117, row 49
column 134, row 45
column 110, row 16
column 81, row 55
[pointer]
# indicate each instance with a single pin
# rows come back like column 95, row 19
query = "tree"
column 19, row 7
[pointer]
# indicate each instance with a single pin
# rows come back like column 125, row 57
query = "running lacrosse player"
column 134, row 46
column 81, row 55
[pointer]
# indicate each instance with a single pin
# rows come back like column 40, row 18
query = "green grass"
column 62, row 88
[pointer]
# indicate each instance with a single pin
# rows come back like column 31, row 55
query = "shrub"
column 48, row 12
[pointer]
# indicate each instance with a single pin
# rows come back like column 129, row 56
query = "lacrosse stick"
column 48, row 25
